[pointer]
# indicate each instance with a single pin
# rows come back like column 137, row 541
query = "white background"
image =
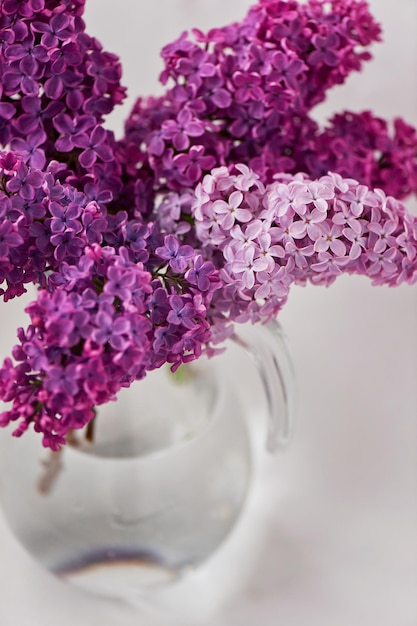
column 333, row 532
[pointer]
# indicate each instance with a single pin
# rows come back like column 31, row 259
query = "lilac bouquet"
column 223, row 192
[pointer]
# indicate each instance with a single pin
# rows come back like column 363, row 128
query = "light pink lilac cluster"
column 218, row 198
column 296, row 230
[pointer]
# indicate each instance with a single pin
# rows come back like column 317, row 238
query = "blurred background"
column 337, row 524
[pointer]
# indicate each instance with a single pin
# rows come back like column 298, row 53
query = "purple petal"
column 181, row 141
column 38, row 159
column 7, row 110
column 87, row 158
column 54, row 88
column 222, row 98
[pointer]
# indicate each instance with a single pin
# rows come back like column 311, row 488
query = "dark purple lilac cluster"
column 106, row 322
column 244, row 94
column 118, row 297
column 43, row 224
column 147, row 249
column 57, row 84
column 361, row 145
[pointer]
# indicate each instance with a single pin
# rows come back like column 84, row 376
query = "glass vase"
column 161, row 483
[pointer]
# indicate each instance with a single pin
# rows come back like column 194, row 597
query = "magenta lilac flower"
column 251, row 103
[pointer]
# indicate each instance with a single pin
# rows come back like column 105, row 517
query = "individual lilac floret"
column 175, row 254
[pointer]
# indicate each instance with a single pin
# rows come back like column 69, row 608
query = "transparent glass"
column 161, row 485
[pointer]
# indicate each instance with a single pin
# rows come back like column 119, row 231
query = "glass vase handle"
column 267, row 346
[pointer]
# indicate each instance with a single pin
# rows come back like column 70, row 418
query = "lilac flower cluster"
column 104, row 322
column 80, row 348
column 43, row 224
column 296, row 230
column 57, row 84
column 219, row 197
column 360, row 145
column 244, row 93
